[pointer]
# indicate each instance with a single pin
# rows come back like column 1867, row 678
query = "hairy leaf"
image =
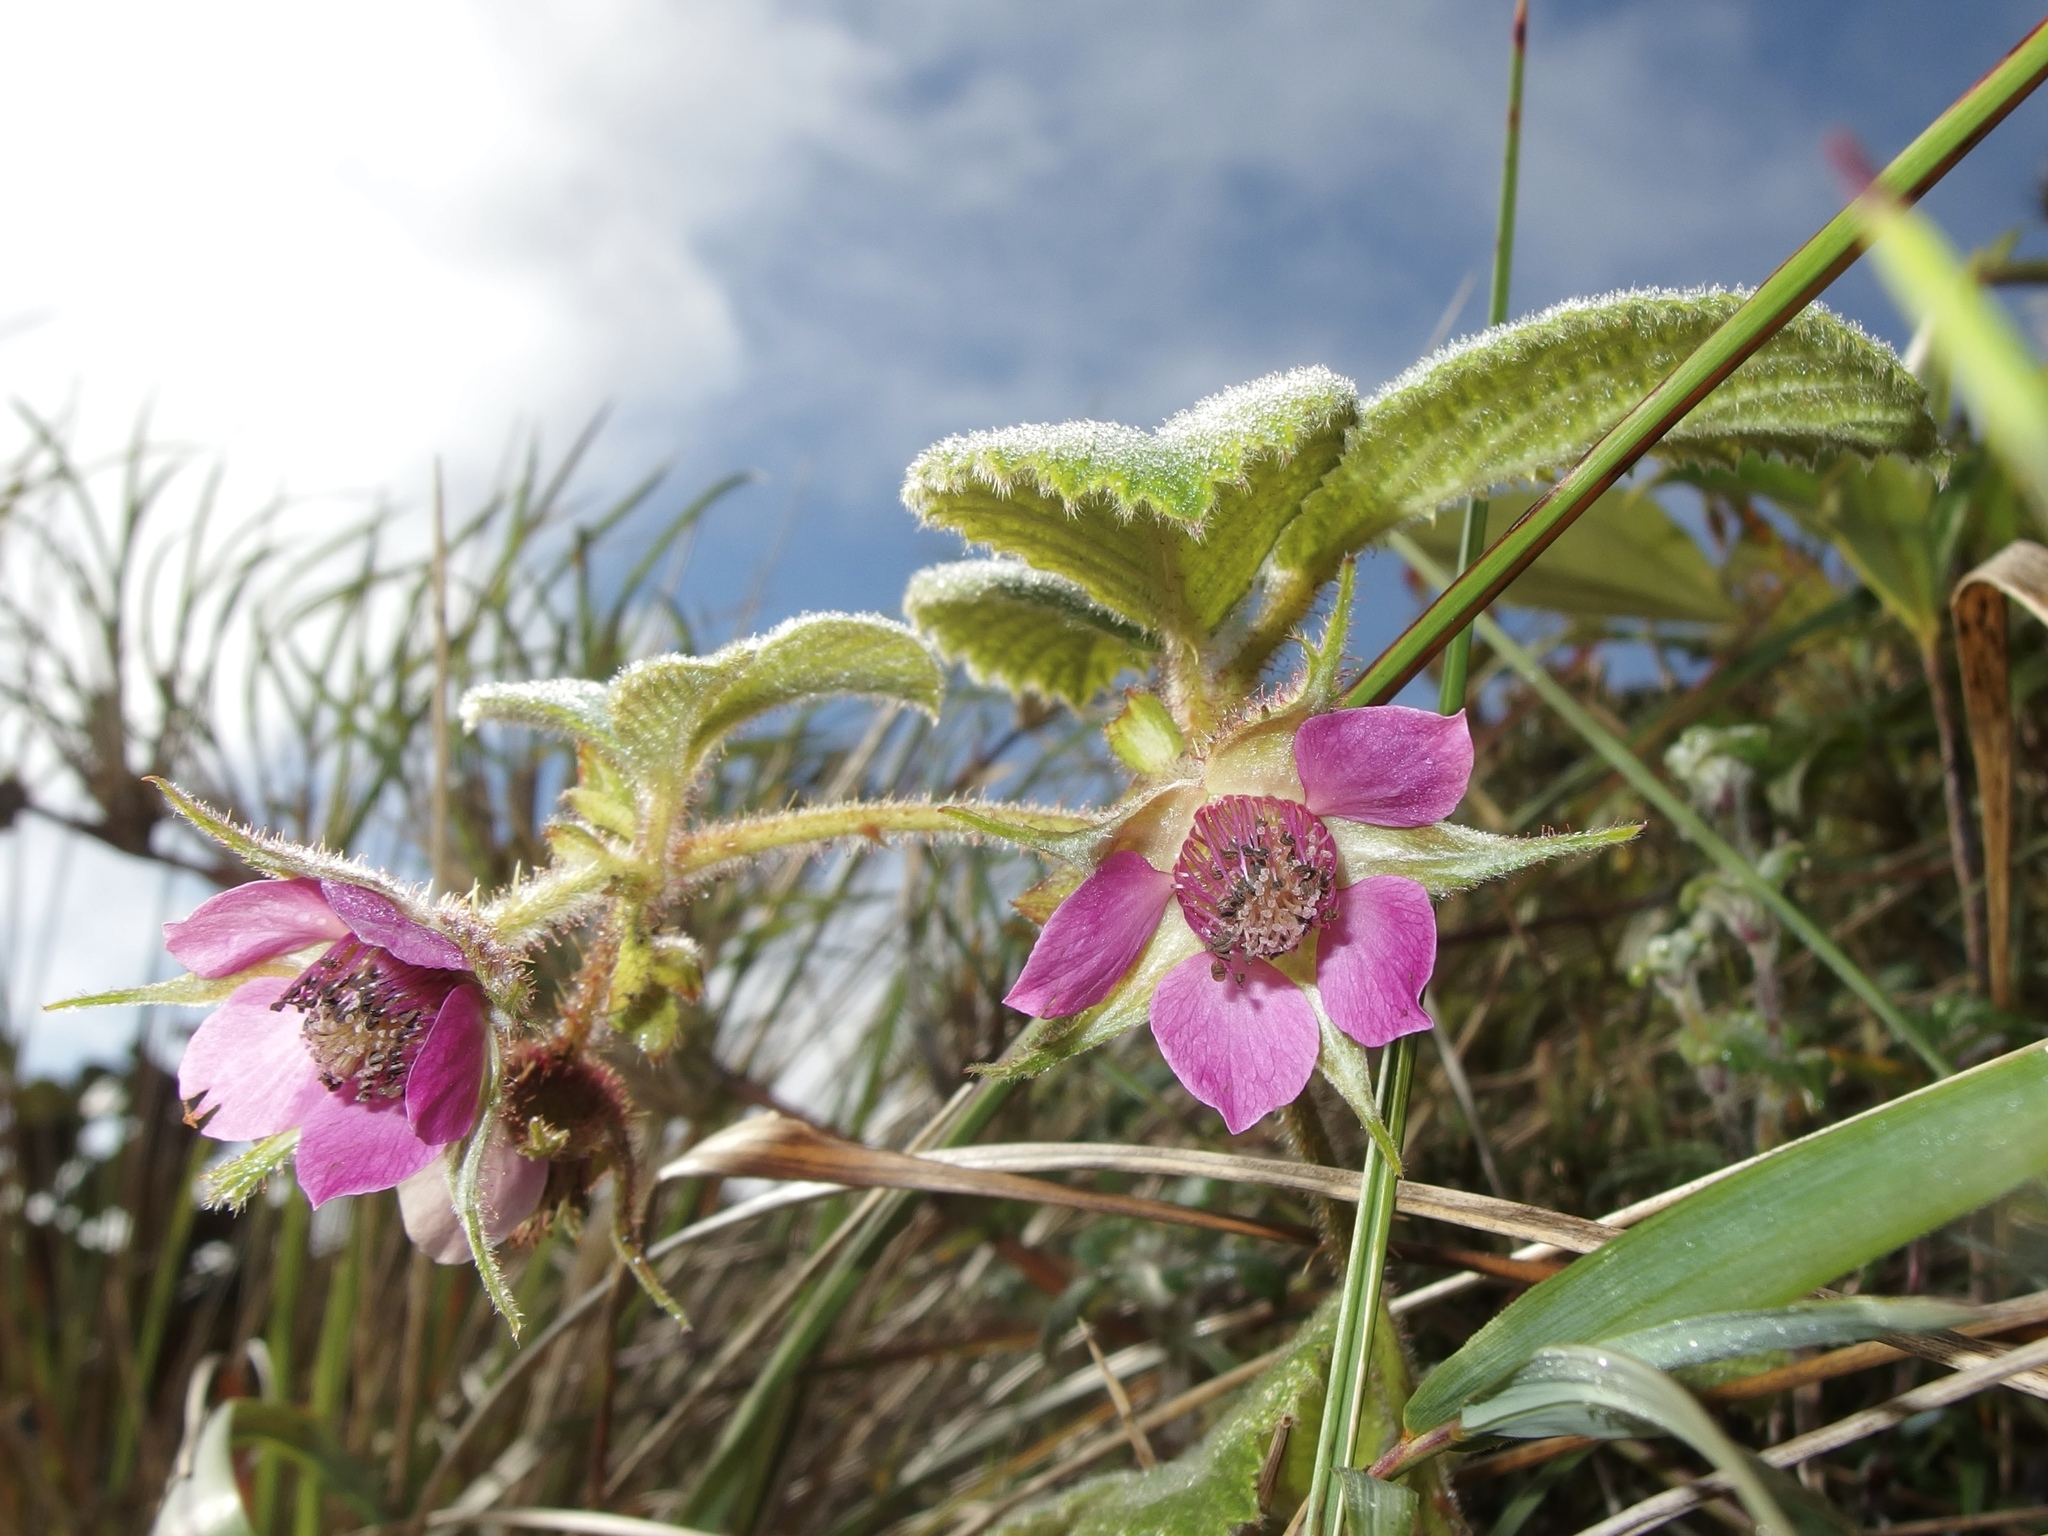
column 1624, row 558
column 1795, row 1218
column 816, row 656
column 1523, row 401
column 1446, row 857
column 230, row 1184
column 1165, row 528
column 1024, row 630
column 566, row 706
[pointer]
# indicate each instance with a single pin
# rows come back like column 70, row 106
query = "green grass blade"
column 1691, row 825
column 1783, row 295
column 1794, row 1219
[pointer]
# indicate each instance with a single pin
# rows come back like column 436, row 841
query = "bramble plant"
column 1266, row 860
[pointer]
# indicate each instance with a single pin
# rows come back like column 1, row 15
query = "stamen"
column 1255, row 877
column 366, row 1013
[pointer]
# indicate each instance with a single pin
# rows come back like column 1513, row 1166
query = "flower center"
column 366, row 1014
column 1254, row 877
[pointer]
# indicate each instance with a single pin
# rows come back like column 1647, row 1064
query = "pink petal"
column 511, row 1189
column 375, row 919
column 441, row 1085
column 1242, row 1049
column 249, row 1063
column 1385, row 764
column 348, row 1147
column 1092, row 938
column 251, row 923
column 1374, row 960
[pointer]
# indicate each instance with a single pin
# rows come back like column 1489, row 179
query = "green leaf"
column 1976, row 341
column 1624, row 558
column 1144, row 737
column 820, row 655
column 1373, row 1507
column 305, row 1440
column 1796, row 1218
column 1523, row 401
column 1890, row 525
column 574, row 707
column 1446, row 857
column 1804, row 1325
column 1576, row 1390
column 1048, row 1042
column 1025, row 630
column 178, row 992
column 1213, row 1486
column 657, row 708
column 1165, row 528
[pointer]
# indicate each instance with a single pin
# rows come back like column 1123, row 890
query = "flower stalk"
column 1365, row 1274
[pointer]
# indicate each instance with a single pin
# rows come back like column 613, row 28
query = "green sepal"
column 1062, row 835
column 1323, row 675
column 1342, row 1062
column 1446, row 857
column 1144, row 737
column 467, row 1197
column 1166, row 528
column 178, row 992
column 1025, row 630
column 1048, row 1042
column 228, row 1185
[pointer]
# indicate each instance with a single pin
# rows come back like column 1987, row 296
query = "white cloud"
column 333, row 241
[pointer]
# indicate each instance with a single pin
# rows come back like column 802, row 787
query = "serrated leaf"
column 1446, row 857
column 1025, row 630
column 574, row 707
column 1624, row 558
column 1165, row 528
column 178, row 992
column 656, row 708
column 821, row 655
column 1804, row 1325
column 1522, row 401
column 1212, row 1487
column 1796, row 1218
column 1590, row 1390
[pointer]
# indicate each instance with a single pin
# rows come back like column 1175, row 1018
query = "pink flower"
column 374, row 1051
column 509, row 1189
column 1252, row 901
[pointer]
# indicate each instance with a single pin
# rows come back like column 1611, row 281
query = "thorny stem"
column 1960, row 853
column 1365, row 1279
column 704, row 849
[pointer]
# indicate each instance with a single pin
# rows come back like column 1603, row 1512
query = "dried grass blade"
column 777, row 1147
column 2019, row 572
column 773, row 1146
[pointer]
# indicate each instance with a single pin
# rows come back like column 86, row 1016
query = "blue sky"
column 809, row 237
